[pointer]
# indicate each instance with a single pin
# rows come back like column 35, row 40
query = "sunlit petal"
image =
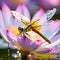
column 51, row 29
column 6, row 15
column 38, row 14
column 12, row 38
column 35, row 36
column 55, row 41
column 23, row 10
column 1, row 21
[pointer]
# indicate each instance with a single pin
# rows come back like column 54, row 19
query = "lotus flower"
column 9, row 31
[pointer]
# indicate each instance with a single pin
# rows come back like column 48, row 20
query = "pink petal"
column 38, row 42
column 35, row 45
column 45, row 51
column 6, row 15
column 51, row 29
column 1, row 20
column 55, row 24
column 12, row 38
column 38, row 14
column 24, row 42
column 23, row 10
column 3, row 35
column 55, row 40
column 55, row 51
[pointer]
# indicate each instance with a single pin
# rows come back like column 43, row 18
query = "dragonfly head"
column 19, row 28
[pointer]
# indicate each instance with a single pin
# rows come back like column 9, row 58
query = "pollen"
column 14, row 30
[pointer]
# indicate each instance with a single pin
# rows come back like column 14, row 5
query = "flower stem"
column 24, row 54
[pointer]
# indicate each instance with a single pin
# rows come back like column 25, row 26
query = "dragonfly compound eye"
column 19, row 28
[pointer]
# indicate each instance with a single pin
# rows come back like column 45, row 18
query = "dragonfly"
column 33, row 25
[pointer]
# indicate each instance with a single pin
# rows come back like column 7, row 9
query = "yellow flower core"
column 14, row 30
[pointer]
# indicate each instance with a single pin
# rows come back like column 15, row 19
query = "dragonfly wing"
column 19, row 18
column 44, row 17
column 50, row 13
column 47, row 16
column 21, row 13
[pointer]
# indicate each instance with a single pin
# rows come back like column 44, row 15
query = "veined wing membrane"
column 20, row 17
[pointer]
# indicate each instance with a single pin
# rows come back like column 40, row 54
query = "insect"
column 33, row 25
